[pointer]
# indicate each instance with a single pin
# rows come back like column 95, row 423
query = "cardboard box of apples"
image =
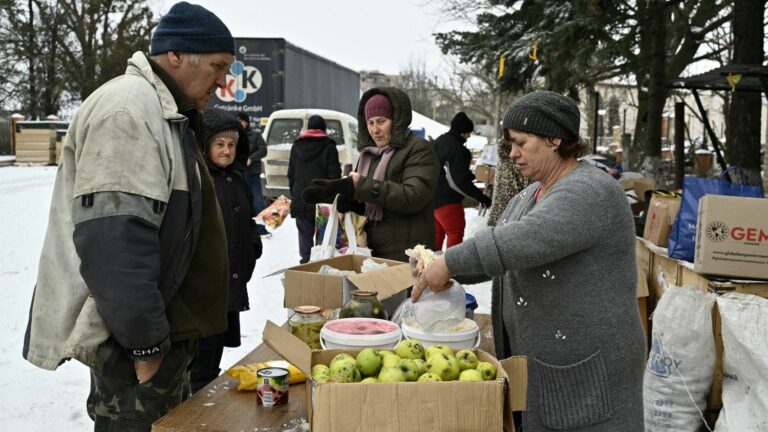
column 409, row 389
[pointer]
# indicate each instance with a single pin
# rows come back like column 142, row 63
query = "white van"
column 284, row 127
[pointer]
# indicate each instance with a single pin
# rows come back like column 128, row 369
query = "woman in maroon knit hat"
column 395, row 180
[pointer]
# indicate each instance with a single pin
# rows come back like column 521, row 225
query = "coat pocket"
column 575, row 395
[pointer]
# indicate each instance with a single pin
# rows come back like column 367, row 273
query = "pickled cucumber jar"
column 363, row 304
column 306, row 323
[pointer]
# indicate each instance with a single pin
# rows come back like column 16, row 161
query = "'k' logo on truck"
column 242, row 80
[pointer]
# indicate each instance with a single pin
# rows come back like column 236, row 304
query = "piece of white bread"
column 424, row 255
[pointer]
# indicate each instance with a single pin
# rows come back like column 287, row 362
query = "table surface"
column 220, row 407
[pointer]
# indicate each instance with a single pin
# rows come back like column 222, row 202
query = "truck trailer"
column 271, row 74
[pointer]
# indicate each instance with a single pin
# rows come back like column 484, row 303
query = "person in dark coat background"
column 455, row 182
column 395, row 180
column 257, row 149
column 313, row 156
column 226, row 152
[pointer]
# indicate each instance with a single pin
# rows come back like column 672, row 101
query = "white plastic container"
column 360, row 333
column 465, row 335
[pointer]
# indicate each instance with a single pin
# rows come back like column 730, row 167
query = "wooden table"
column 220, row 407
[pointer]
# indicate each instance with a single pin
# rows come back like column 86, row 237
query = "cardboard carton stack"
column 662, row 211
column 732, row 237
column 485, row 174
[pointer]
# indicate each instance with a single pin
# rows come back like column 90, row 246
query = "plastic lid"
column 306, row 309
column 471, row 302
column 468, row 329
column 360, row 331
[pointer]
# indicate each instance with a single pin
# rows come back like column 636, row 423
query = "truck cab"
column 283, row 128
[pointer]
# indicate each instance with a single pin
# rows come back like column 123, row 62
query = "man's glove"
column 323, row 191
column 485, row 201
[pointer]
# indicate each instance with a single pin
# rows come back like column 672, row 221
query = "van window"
column 334, row 131
column 284, row 131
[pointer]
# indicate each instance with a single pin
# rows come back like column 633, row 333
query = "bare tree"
column 59, row 49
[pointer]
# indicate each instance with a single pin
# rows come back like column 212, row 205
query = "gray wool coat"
column 564, row 295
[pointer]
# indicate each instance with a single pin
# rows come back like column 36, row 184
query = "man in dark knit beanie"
column 135, row 270
column 455, row 182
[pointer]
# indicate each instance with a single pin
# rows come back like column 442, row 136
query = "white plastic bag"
column 434, row 312
column 681, row 363
column 327, row 249
column 371, row 265
column 744, row 319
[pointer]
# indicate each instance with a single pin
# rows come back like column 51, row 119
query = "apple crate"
column 404, row 406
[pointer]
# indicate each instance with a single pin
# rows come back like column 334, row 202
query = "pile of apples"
column 409, row 362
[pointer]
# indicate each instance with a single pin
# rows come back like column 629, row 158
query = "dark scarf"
column 373, row 211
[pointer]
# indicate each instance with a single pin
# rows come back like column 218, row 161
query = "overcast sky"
column 384, row 35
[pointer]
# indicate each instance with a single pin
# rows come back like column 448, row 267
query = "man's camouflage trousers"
column 118, row 402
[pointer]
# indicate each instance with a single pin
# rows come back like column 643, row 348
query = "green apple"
column 487, row 369
column 436, row 349
column 386, row 353
column 428, row 377
column 467, row 359
column 344, row 371
column 410, row 349
column 321, row 373
column 370, row 380
column 409, row 368
column 444, row 366
column 368, row 362
column 390, row 361
column 341, row 356
column 392, row 374
column 422, row 366
column 470, row 375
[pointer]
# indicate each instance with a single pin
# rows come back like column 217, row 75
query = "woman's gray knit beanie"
column 544, row 113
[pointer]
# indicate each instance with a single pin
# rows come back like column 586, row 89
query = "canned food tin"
column 272, row 386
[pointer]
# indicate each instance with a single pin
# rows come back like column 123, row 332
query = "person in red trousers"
column 455, row 182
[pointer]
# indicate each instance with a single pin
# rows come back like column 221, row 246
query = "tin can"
column 272, row 386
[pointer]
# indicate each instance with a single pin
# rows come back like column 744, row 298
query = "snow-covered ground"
column 36, row 400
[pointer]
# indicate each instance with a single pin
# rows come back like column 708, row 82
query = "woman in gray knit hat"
column 562, row 260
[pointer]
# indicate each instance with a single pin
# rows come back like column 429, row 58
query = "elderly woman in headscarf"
column 562, row 260
column 395, row 180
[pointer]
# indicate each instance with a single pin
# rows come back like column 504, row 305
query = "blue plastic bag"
column 682, row 239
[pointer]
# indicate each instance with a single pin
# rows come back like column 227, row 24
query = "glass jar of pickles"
column 363, row 304
column 306, row 323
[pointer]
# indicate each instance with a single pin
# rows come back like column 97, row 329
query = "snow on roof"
column 432, row 128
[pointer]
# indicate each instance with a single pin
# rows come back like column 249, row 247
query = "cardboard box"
column 405, row 406
column 643, row 260
column 663, row 270
column 485, row 174
column 305, row 286
column 732, row 237
column 662, row 210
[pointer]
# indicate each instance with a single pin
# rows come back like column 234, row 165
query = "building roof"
column 716, row 79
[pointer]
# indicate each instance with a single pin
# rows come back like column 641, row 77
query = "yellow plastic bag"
column 246, row 374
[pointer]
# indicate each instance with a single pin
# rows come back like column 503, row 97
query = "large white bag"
column 681, row 363
column 744, row 319
column 327, row 249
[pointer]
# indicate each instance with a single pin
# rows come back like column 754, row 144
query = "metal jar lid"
column 306, row 309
